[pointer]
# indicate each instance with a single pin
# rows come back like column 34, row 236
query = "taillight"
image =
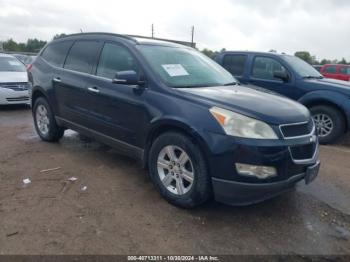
column 29, row 67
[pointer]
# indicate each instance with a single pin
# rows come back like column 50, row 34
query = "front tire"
column 330, row 123
column 178, row 170
column 44, row 121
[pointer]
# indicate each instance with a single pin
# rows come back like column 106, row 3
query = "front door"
column 262, row 75
column 119, row 110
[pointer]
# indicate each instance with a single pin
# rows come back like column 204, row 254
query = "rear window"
column 11, row 64
column 235, row 64
column 82, row 56
column 56, row 53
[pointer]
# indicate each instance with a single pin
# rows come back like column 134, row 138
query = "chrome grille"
column 18, row 99
column 15, row 86
column 297, row 129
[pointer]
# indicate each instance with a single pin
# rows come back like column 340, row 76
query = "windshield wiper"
column 312, row 77
column 231, row 84
column 194, row 86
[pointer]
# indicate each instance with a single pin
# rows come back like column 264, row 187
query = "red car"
column 336, row 71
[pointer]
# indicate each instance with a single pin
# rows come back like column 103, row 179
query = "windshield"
column 301, row 67
column 11, row 64
column 185, row 67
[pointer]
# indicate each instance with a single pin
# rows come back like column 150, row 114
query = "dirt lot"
column 121, row 213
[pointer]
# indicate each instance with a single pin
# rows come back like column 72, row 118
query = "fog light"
column 261, row 172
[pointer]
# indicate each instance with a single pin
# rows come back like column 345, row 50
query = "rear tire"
column 44, row 121
column 186, row 168
column 330, row 123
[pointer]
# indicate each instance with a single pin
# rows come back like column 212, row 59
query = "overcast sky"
column 319, row 26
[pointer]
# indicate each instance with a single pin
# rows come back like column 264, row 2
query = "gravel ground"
column 113, row 208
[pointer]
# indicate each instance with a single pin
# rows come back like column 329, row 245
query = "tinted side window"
column 264, row 68
column 82, row 56
column 235, row 64
column 345, row 70
column 330, row 69
column 56, row 53
column 115, row 58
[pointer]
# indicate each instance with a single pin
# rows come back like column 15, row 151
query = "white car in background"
column 13, row 81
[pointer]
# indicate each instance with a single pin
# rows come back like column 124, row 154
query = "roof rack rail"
column 132, row 38
column 100, row 33
column 190, row 44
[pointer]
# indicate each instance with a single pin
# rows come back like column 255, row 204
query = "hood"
column 13, row 77
column 331, row 84
column 266, row 107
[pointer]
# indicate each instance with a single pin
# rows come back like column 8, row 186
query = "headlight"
column 235, row 124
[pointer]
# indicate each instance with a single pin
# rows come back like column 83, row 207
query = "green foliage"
column 10, row 45
column 306, row 56
column 326, row 61
column 343, row 61
column 58, row 36
column 32, row 45
column 210, row 53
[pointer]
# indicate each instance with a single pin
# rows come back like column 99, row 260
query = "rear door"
column 119, row 110
column 48, row 68
column 330, row 71
column 262, row 74
column 235, row 64
column 71, row 82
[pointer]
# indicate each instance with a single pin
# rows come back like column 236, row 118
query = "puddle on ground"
column 74, row 140
column 71, row 140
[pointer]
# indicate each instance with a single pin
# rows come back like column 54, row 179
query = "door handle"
column 94, row 89
column 57, row 80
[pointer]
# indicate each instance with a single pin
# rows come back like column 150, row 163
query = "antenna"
column 192, row 35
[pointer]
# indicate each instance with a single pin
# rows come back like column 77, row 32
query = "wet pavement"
column 113, row 208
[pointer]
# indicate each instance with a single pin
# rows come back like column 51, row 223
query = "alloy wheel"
column 175, row 170
column 42, row 119
column 324, row 124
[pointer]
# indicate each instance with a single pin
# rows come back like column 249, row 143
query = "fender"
column 34, row 91
column 330, row 97
column 162, row 124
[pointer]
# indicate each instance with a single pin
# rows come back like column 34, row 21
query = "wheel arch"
column 172, row 125
column 325, row 102
column 36, row 93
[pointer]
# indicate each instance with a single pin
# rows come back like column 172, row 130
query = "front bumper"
column 233, row 188
column 238, row 193
column 12, row 97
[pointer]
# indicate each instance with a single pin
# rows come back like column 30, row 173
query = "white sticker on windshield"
column 175, row 70
column 14, row 63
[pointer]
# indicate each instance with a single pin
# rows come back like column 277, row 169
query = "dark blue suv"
column 182, row 115
column 327, row 99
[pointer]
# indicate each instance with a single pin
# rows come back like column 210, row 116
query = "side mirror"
column 129, row 77
column 282, row 75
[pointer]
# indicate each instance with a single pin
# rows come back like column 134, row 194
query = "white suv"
column 13, row 81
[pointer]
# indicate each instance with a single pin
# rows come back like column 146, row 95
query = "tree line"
column 311, row 59
column 34, row 45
